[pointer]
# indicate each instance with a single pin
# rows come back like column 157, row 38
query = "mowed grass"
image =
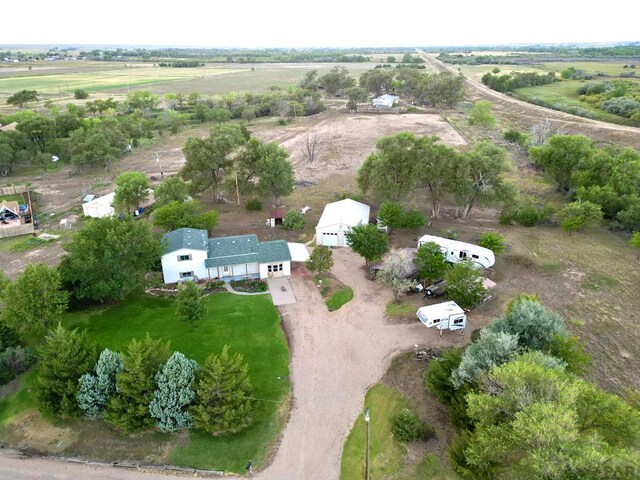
column 388, row 457
column 339, row 298
column 386, row 453
column 250, row 325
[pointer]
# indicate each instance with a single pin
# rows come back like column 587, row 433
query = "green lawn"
column 387, row 455
column 248, row 324
column 339, row 298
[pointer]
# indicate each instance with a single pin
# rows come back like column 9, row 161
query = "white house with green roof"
column 190, row 254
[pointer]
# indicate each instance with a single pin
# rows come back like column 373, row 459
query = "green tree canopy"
column 464, row 284
column 174, row 215
column 64, row 358
column 224, row 402
column 493, row 241
column 132, row 188
column 21, row 98
column 480, row 176
column 390, row 173
column 108, row 258
column 481, row 114
column 320, row 260
column 190, row 306
column 430, row 262
column 172, row 189
column 436, row 170
column 276, row 172
column 367, row 242
column 34, row 301
column 128, row 410
column 208, row 159
column 560, row 155
column 578, row 215
column 337, row 80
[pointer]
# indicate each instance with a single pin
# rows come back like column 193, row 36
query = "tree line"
column 510, row 82
column 523, row 410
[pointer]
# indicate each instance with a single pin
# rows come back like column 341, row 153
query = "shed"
column 276, row 216
column 99, row 207
column 339, row 218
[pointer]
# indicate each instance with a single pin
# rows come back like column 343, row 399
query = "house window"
column 186, row 274
column 275, row 267
column 182, row 258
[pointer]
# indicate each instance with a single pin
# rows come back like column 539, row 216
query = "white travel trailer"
column 443, row 316
column 455, row 251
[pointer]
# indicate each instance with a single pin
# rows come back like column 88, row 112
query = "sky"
column 324, row 23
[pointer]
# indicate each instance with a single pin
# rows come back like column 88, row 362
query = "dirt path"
column 527, row 114
column 336, row 356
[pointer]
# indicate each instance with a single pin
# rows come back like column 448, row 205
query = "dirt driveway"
column 336, row 356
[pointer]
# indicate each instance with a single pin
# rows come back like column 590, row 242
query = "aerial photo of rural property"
column 320, row 242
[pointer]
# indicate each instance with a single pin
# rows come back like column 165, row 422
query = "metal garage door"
column 330, row 239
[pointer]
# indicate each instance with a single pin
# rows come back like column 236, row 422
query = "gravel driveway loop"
column 336, row 356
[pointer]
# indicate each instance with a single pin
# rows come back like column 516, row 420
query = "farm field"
column 477, row 71
column 248, row 324
column 613, row 69
column 57, row 82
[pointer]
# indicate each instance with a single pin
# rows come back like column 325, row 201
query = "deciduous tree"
column 493, row 241
column 34, row 301
column 560, row 155
column 430, row 262
column 276, row 172
column 108, row 258
column 578, row 215
column 172, row 189
column 464, row 284
column 132, row 188
column 367, row 242
column 320, row 260
column 437, row 169
column 395, row 272
column 21, row 98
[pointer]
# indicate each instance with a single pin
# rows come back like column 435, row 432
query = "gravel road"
column 336, row 356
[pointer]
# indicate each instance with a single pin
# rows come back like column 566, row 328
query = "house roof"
column 347, row 211
column 190, row 238
column 241, row 249
column 277, row 213
column 299, row 252
column 12, row 206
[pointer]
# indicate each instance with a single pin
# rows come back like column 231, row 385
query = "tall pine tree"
column 223, row 394
column 129, row 410
column 65, row 356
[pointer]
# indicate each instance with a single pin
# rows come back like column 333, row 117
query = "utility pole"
column 366, row 419
column 237, row 191
column 159, row 165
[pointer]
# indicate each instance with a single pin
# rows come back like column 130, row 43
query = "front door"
column 226, row 271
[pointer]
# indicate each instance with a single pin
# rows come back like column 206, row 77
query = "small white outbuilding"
column 337, row 219
column 99, row 207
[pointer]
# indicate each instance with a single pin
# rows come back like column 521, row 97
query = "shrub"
column 80, row 94
column 518, row 137
column 493, row 241
column 450, row 233
column 407, row 426
column 413, row 219
column 14, row 361
column 293, row 220
column 253, row 204
column 96, row 390
column 481, row 114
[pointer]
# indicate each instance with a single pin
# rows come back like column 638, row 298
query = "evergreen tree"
column 190, row 306
column 129, row 409
column 97, row 388
column 174, row 394
column 65, row 357
column 223, row 394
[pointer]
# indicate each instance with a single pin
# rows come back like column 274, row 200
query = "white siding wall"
column 286, row 270
column 171, row 267
column 236, row 270
column 339, row 229
column 97, row 211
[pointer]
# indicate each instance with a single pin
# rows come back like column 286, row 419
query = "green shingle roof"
column 245, row 249
column 185, row 238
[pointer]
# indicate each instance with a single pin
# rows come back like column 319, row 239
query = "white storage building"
column 99, row 207
column 337, row 219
